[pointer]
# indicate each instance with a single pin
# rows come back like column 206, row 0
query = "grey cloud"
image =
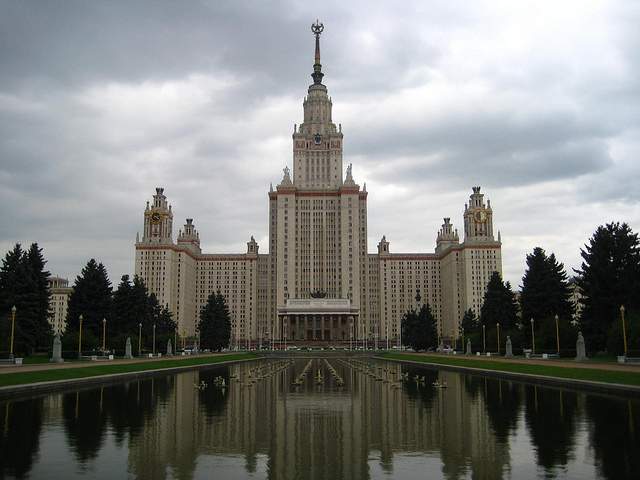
column 76, row 180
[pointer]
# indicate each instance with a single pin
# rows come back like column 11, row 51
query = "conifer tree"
column 608, row 278
column 499, row 305
column 40, row 295
column 24, row 284
column 121, row 319
column 91, row 298
column 470, row 327
column 215, row 323
column 419, row 329
column 545, row 288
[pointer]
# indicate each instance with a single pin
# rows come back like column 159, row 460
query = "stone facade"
column 318, row 249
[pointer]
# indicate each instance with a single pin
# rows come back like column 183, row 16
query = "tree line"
column 545, row 315
column 128, row 311
column 608, row 278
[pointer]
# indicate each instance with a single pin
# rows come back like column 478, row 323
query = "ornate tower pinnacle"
column 317, row 74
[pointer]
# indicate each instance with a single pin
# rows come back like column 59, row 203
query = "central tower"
column 318, row 228
column 317, row 143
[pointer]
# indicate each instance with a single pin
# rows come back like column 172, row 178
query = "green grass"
column 33, row 359
column 21, row 378
column 590, row 374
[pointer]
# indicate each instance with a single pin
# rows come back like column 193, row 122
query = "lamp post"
column 154, row 340
column 184, row 336
column 139, row 338
column 104, row 335
column 80, row 318
column 351, row 333
column 13, row 328
column 557, row 335
column 462, row 347
column 484, row 339
column 386, row 329
column 498, row 330
column 624, row 329
column 533, row 338
column 286, row 332
column 175, row 338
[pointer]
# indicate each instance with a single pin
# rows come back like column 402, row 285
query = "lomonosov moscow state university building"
column 318, row 282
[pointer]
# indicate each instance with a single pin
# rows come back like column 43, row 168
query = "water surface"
column 369, row 419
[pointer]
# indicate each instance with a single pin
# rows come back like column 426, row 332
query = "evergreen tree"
column 608, row 278
column 419, row 329
column 14, row 286
column 91, row 298
column 545, row 288
column 469, row 323
column 470, row 327
column 215, row 323
column 499, row 307
column 122, row 308
column 499, row 304
column 545, row 294
column 24, row 284
column 40, row 296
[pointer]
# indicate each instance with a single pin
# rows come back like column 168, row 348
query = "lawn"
column 589, row 374
column 20, row 378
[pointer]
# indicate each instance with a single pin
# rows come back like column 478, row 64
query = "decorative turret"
column 447, row 236
column 252, row 246
column 383, row 246
column 478, row 218
column 158, row 220
column 189, row 237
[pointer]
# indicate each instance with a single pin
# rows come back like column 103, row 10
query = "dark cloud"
column 100, row 102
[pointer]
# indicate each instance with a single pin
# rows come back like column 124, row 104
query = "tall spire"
column 317, row 74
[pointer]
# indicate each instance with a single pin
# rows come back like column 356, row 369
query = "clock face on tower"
column 317, row 138
column 155, row 217
column 480, row 216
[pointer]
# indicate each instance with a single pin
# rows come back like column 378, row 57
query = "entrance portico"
column 331, row 320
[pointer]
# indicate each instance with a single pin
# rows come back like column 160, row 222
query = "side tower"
column 482, row 253
column 167, row 268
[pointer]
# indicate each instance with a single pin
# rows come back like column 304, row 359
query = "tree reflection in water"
column 614, row 436
column 20, row 427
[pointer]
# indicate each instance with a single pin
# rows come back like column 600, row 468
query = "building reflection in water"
column 371, row 426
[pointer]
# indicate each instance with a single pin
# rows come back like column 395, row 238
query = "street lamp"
column 533, row 338
column 286, row 332
column 13, row 327
column 386, row 329
column 351, row 333
column 557, row 335
column 154, row 339
column 462, row 346
column 80, row 318
column 139, row 338
column 484, row 339
column 175, row 339
column 498, row 330
column 624, row 329
column 104, row 335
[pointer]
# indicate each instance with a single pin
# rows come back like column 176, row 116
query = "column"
column 306, row 326
column 322, row 327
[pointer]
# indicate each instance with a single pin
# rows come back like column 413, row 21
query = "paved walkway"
column 596, row 365
column 35, row 367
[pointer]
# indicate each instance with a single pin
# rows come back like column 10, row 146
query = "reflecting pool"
column 317, row 418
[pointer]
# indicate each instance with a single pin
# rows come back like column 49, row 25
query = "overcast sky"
column 100, row 102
